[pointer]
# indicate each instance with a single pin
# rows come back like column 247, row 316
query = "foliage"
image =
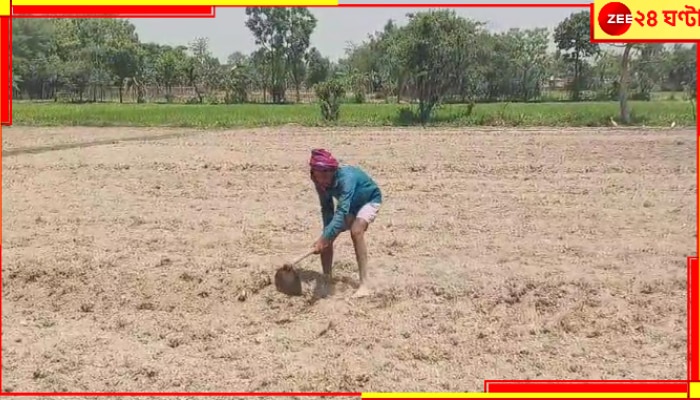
column 572, row 36
column 318, row 67
column 436, row 59
column 284, row 36
column 435, row 49
column 330, row 95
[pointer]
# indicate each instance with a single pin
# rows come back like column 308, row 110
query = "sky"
column 336, row 27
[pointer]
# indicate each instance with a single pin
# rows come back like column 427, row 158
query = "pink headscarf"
column 322, row 160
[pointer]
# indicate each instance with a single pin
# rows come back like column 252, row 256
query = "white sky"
column 336, row 26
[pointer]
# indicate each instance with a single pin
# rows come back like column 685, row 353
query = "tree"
column 168, row 68
column 518, row 64
column 435, row 59
column 301, row 25
column 235, row 58
column 202, row 69
column 625, row 114
column 434, row 51
column 572, row 37
column 682, row 60
column 33, row 62
column 649, row 69
column 318, row 67
column 606, row 75
column 123, row 52
column 284, row 37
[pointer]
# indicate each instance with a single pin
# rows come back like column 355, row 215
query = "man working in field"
column 359, row 199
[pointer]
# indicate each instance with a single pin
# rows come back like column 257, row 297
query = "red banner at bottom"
column 586, row 386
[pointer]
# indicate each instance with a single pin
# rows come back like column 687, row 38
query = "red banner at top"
column 113, row 11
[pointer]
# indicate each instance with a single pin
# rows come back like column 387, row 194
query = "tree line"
column 437, row 57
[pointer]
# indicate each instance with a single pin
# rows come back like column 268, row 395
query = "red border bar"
column 693, row 319
column 2, row 388
column 181, row 394
column 113, row 11
column 584, row 386
column 6, row 73
column 164, row 11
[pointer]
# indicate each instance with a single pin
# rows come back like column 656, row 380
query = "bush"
column 359, row 97
column 405, row 117
column 330, row 95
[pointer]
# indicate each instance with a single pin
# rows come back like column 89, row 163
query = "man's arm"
column 326, row 207
column 336, row 225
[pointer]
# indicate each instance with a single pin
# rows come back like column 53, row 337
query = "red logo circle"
column 615, row 19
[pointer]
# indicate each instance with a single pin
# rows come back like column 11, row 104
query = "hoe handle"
column 298, row 260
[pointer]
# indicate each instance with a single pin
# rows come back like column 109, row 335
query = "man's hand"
column 320, row 244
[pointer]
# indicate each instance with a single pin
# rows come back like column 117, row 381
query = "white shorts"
column 369, row 212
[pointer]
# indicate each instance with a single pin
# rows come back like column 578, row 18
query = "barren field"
column 511, row 254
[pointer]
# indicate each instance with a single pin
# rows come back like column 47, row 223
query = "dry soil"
column 498, row 254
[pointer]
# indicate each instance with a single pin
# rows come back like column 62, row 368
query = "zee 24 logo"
column 616, row 18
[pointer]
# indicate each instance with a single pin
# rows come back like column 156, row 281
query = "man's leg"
column 365, row 216
column 357, row 232
column 327, row 261
column 327, row 253
column 323, row 285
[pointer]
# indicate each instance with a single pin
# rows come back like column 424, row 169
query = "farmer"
column 359, row 199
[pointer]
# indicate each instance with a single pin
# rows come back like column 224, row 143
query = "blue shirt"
column 353, row 189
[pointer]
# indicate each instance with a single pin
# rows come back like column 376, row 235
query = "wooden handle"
column 298, row 260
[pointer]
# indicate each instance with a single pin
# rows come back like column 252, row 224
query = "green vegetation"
column 330, row 96
column 438, row 68
column 660, row 113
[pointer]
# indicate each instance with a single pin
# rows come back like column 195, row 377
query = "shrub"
column 359, row 97
column 330, row 95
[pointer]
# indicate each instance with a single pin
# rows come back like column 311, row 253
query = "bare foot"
column 362, row 291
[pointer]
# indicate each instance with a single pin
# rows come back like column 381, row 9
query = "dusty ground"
column 498, row 254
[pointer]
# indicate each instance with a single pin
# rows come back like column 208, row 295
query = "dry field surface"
column 540, row 254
